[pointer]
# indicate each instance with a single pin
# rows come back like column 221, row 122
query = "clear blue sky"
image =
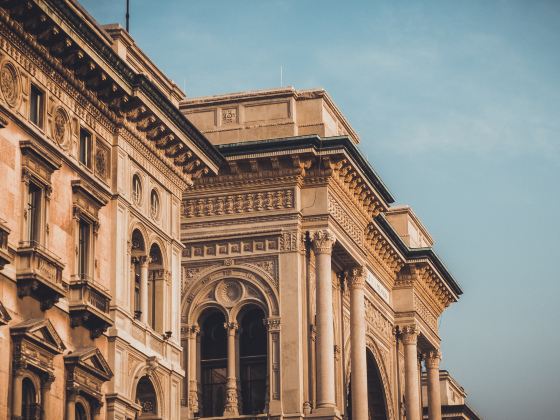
column 457, row 104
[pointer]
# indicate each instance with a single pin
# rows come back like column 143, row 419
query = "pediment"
column 40, row 332
column 91, row 360
column 4, row 315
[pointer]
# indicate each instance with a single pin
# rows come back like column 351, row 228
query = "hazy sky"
column 457, row 104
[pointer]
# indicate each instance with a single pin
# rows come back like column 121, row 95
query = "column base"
column 326, row 413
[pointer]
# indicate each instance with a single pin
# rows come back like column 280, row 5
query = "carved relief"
column 345, row 220
column 60, row 128
column 422, row 310
column 9, row 84
column 238, row 203
column 228, row 293
column 102, row 161
column 376, row 323
column 229, row 116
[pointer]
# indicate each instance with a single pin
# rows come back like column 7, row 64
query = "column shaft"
column 71, row 407
column 192, row 370
column 16, row 395
column 231, row 406
column 358, row 361
column 323, row 241
column 45, row 400
column 412, row 391
column 434, row 397
column 144, row 290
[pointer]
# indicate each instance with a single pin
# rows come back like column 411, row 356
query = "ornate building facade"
column 164, row 257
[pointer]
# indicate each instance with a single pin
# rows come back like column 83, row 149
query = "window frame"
column 85, row 248
column 35, row 92
column 87, row 153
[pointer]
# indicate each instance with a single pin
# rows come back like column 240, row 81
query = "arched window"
column 138, row 249
column 81, row 412
column 376, row 394
column 29, row 406
column 155, row 289
column 213, row 361
column 146, row 397
column 253, row 365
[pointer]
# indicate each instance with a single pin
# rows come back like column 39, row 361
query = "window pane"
column 36, row 106
column 85, row 147
column 83, row 248
column 34, row 213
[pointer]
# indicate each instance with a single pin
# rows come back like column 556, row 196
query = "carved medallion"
column 60, row 128
column 9, row 84
column 228, row 293
column 102, row 162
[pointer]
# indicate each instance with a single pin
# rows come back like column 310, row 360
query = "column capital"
column 409, row 334
column 144, row 260
column 323, row 241
column 195, row 329
column 231, row 327
column 357, row 277
column 432, row 359
column 272, row 324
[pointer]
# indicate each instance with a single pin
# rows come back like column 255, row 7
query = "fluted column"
column 193, row 392
column 16, row 395
column 432, row 360
column 144, row 262
column 231, row 406
column 358, row 363
column 323, row 241
column 409, row 337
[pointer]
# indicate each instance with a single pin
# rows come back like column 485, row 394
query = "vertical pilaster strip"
column 323, row 241
column 231, row 406
column 432, row 359
column 273, row 328
column 194, row 330
column 358, row 366
column 409, row 337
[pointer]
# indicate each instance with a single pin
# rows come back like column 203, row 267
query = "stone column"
column 273, row 358
column 323, row 241
column 16, row 395
column 358, row 363
column 192, row 369
column 409, row 336
column 231, row 406
column 144, row 262
column 45, row 399
column 432, row 360
column 70, row 405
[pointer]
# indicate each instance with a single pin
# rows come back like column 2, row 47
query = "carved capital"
column 323, row 241
column 231, row 327
column 432, row 359
column 409, row 334
column 272, row 324
column 357, row 277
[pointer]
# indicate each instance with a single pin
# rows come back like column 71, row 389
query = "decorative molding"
column 357, row 277
column 10, row 83
column 425, row 313
column 323, row 241
column 382, row 250
column 432, row 359
column 376, row 323
column 409, row 334
column 345, row 220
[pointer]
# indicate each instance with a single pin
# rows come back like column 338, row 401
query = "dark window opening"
column 213, row 364
column 81, row 413
column 29, row 407
column 84, row 248
column 85, row 147
column 146, row 397
column 34, row 214
column 36, row 106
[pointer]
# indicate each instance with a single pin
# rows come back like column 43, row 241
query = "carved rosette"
column 228, row 292
column 9, row 84
column 432, row 359
column 357, row 277
column 323, row 241
column 409, row 334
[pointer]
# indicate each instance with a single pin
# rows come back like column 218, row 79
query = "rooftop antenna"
column 127, row 15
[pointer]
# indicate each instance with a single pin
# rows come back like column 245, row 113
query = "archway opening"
column 213, row 363
column 81, row 413
column 253, row 360
column 29, row 406
column 146, row 397
column 155, row 289
column 377, row 408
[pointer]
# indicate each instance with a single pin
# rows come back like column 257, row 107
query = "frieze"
column 10, row 84
column 238, row 203
column 427, row 315
column 376, row 323
column 345, row 220
column 239, row 247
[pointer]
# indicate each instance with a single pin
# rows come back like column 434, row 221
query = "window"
column 146, row 397
column 154, row 204
column 136, row 189
column 29, row 406
column 85, row 147
column 36, row 106
column 213, row 365
column 84, row 246
column 34, row 199
column 81, row 413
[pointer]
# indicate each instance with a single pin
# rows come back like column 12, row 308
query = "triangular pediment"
column 4, row 315
column 41, row 331
column 90, row 359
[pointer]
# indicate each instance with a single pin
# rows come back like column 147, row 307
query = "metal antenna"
column 127, row 15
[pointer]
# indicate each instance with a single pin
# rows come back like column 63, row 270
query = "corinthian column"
column 144, row 261
column 409, row 338
column 192, row 369
column 231, row 407
column 358, row 364
column 432, row 359
column 323, row 241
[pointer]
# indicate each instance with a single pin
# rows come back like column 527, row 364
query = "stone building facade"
column 164, row 257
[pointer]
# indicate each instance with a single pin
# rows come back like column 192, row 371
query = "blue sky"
column 457, row 105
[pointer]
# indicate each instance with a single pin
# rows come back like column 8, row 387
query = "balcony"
column 89, row 305
column 5, row 257
column 39, row 274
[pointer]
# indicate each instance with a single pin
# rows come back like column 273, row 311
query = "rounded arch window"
column 146, row 397
column 81, row 412
column 154, row 204
column 136, row 189
column 29, row 406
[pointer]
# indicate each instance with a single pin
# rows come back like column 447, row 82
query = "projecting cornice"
column 81, row 54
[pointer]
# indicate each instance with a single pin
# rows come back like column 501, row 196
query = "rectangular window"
column 36, row 106
column 84, row 248
column 34, row 198
column 85, row 147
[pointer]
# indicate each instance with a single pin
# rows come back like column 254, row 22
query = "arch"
column 29, row 398
column 148, row 370
column 260, row 289
column 82, row 409
column 137, row 242
column 156, row 288
column 146, row 396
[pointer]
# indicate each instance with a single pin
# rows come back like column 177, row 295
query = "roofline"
column 102, row 47
column 414, row 253
column 315, row 141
